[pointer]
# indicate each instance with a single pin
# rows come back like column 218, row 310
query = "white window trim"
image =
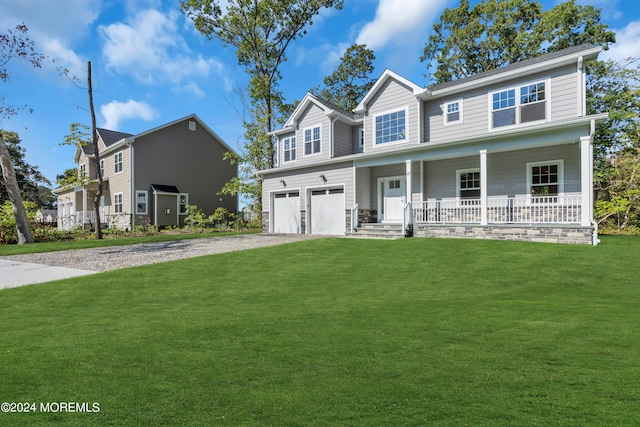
column 295, row 150
column 82, row 170
column 361, row 137
column 559, row 163
column 406, row 127
column 102, row 169
column 146, row 202
column 115, row 162
column 304, row 142
column 445, row 108
column 115, row 197
column 517, row 87
column 461, row 171
column 186, row 196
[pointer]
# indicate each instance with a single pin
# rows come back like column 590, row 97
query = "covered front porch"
column 543, row 191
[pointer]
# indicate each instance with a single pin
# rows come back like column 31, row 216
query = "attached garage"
column 286, row 212
column 327, row 211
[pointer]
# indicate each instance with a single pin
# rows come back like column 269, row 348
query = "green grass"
column 7, row 250
column 337, row 332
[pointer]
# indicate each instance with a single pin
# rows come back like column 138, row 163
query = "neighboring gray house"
column 505, row 154
column 150, row 177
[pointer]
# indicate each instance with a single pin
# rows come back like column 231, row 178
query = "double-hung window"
column 545, row 178
column 521, row 104
column 453, row 112
column 312, row 141
column 117, row 161
column 391, row 127
column 142, row 201
column 102, row 168
column 117, row 203
column 469, row 183
column 83, row 170
column 289, row 149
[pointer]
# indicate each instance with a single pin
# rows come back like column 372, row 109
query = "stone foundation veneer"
column 265, row 222
column 545, row 234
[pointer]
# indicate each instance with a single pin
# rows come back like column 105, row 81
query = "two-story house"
column 505, row 154
column 150, row 178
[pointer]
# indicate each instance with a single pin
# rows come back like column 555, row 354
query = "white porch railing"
column 565, row 209
column 81, row 218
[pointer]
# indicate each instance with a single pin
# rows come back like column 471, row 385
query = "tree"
column 32, row 183
column 468, row 41
column 80, row 136
column 261, row 31
column 15, row 44
column 351, row 81
column 614, row 87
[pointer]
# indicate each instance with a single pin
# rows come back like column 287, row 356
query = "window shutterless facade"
column 183, row 201
column 545, row 178
column 82, row 172
column 468, row 183
column 102, row 168
column 142, row 202
column 117, row 161
column 521, row 104
column 312, row 141
column 289, row 149
column 391, row 127
column 453, row 112
column 117, row 203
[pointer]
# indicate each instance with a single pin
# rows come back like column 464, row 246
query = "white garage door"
column 327, row 211
column 286, row 212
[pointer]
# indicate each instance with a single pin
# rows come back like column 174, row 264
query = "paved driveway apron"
column 18, row 270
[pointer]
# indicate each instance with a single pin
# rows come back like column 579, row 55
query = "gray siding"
column 308, row 178
column 355, row 139
column 343, row 139
column 313, row 116
column 392, row 96
column 190, row 160
column 562, row 94
column 506, row 172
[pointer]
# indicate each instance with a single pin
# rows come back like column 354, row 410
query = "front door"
column 391, row 198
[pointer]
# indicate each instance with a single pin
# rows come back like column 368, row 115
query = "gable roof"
column 327, row 107
column 386, row 75
column 520, row 68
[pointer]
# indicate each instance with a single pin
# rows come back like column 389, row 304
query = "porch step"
column 379, row 231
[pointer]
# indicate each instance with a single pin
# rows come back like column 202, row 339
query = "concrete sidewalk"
column 16, row 273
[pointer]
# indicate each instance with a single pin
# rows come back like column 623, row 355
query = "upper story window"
column 312, row 141
column 517, row 105
column 391, row 127
column 82, row 170
column 117, row 160
column 469, row 183
column 453, row 112
column 102, row 168
column 289, row 149
column 361, row 137
column 183, row 201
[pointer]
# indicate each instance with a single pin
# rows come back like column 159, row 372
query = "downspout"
column 332, row 119
column 595, row 237
column 132, row 201
column 582, row 105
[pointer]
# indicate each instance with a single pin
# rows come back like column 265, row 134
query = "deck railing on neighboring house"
column 565, row 209
column 83, row 218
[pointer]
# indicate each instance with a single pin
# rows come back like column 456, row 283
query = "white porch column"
column 408, row 189
column 586, row 180
column 84, row 206
column 483, row 187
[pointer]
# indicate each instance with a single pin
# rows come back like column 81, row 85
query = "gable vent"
column 192, row 125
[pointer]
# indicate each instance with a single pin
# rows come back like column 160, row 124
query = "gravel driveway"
column 115, row 257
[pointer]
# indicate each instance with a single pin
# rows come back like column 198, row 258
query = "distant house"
column 505, row 154
column 151, row 177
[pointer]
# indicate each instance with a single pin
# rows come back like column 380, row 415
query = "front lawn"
column 337, row 332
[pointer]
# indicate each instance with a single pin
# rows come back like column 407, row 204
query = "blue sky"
column 150, row 66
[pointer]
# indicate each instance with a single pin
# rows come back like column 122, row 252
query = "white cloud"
column 149, row 47
column 116, row 111
column 627, row 42
column 396, row 19
column 54, row 26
